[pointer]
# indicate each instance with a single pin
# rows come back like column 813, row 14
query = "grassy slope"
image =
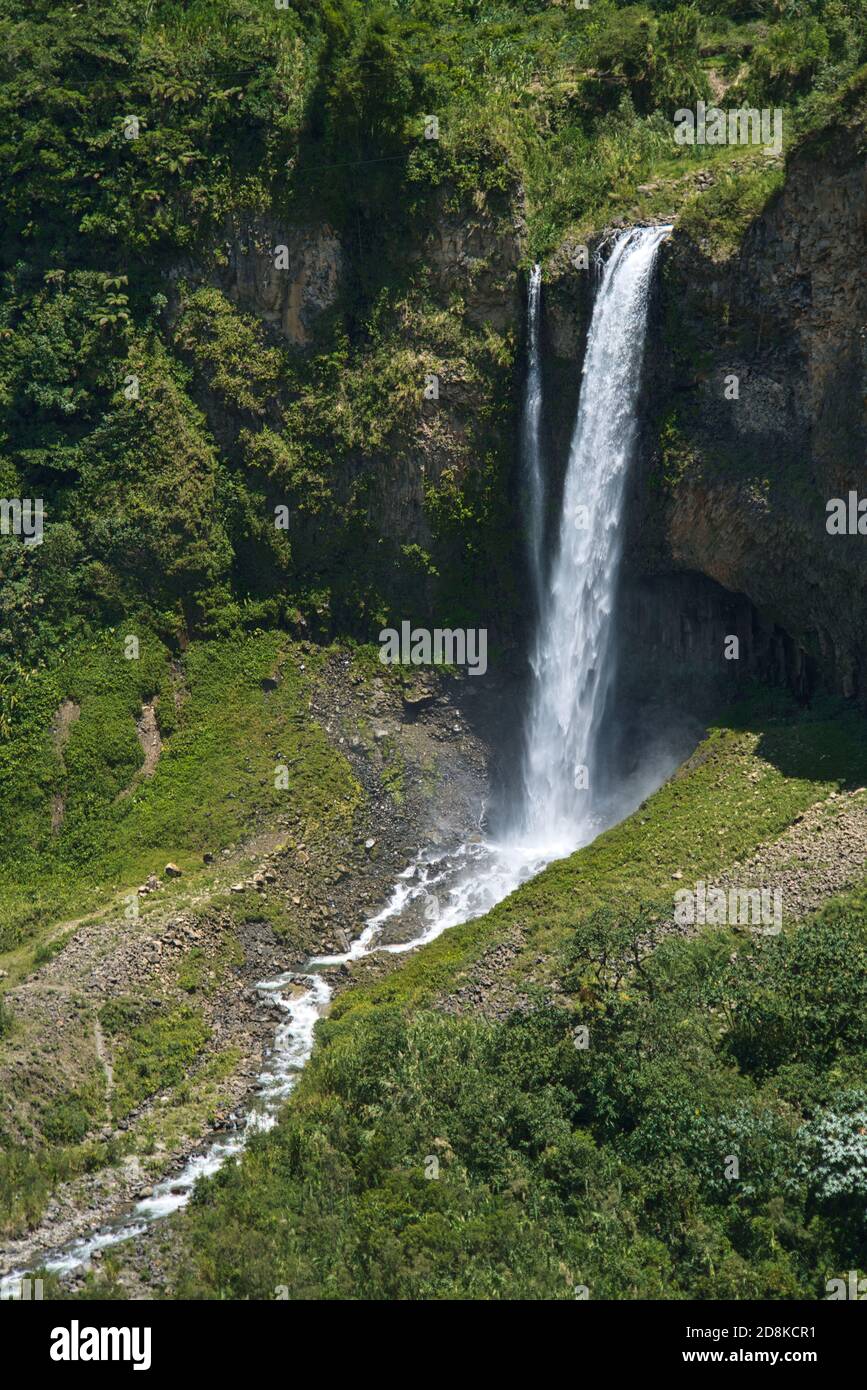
column 213, row 787
column 745, row 784
column 214, row 782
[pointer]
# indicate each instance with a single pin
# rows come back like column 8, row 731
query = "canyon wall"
column 754, row 415
column 757, row 382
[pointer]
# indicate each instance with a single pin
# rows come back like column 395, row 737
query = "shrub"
column 834, row 1149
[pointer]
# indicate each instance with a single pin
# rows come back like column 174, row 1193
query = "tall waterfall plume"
column 573, row 658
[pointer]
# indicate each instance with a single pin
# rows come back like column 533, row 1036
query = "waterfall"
column 572, row 663
column 572, row 673
column 531, row 452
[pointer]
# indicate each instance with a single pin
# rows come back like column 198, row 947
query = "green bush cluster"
column 214, row 782
column 607, row 1166
column 29, row 1176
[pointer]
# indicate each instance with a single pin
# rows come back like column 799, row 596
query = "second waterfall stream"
column 561, row 806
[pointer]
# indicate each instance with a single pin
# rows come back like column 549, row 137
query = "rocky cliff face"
column 394, row 387
column 757, row 382
column 288, row 276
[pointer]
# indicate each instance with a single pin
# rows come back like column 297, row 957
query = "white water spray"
column 571, row 678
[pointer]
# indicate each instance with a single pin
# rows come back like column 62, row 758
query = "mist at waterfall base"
column 574, row 780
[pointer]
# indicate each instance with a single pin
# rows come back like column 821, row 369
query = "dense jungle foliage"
column 161, row 505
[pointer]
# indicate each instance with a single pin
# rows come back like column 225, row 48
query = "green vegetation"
column 155, row 1049
column 719, row 217
column 192, row 1107
column 29, row 1177
column 147, row 400
column 198, row 975
column 47, row 950
column 556, row 1166
column 69, row 1118
column 148, row 147
column 170, row 403
column 160, row 423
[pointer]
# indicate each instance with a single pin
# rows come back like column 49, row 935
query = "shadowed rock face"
column 729, row 490
column 737, row 489
column 290, row 298
column 475, row 252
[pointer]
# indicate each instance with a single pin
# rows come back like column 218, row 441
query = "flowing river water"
column 566, row 800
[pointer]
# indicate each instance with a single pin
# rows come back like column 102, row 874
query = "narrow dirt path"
column 149, row 738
